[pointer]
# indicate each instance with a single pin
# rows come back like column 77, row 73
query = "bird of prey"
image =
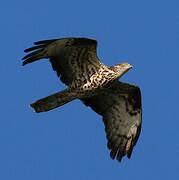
column 96, row 85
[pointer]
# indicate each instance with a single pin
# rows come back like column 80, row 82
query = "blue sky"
column 69, row 142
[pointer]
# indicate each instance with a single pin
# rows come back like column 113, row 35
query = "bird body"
column 96, row 85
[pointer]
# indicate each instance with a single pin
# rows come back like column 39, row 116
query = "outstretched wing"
column 74, row 59
column 120, row 106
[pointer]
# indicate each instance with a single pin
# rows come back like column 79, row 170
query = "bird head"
column 122, row 68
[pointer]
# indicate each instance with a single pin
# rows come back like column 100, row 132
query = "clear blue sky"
column 69, row 142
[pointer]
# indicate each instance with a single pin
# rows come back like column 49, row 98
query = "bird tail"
column 55, row 100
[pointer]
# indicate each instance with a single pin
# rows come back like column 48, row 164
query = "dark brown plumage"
column 96, row 85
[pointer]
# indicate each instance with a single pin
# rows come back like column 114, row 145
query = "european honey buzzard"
column 96, row 85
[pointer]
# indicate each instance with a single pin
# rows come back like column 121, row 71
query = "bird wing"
column 120, row 106
column 74, row 59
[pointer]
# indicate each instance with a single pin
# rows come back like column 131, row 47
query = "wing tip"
column 45, row 42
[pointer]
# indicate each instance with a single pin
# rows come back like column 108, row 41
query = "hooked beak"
column 130, row 66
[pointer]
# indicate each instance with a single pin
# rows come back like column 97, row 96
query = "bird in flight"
column 96, row 85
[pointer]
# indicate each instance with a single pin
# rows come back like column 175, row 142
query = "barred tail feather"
column 53, row 101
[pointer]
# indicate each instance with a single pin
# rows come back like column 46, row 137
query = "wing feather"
column 120, row 106
column 74, row 59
